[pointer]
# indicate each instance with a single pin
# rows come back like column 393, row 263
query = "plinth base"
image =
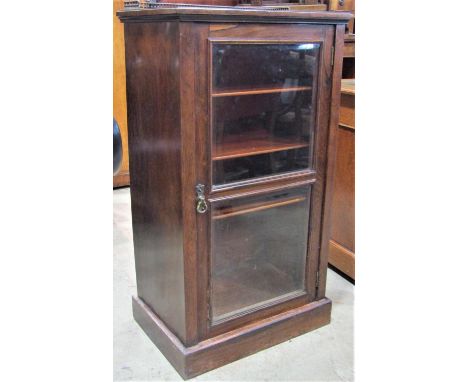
column 231, row 346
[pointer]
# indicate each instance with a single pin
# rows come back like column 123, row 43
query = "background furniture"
column 122, row 178
column 343, row 5
column 341, row 253
column 348, row 53
column 117, row 148
column 231, row 165
column 342, row 250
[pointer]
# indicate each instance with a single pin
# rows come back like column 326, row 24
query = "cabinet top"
column 200, row 13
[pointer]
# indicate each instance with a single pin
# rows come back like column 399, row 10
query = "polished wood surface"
column 343, row 196
column 155, row 151
column 120, row 97
column 341, row 245
column 170, row 116
column 227, row 14
column 342, row 259
column 231, row 346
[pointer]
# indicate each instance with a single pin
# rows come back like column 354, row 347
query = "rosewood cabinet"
column 231, row 114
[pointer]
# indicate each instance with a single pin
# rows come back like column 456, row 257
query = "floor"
column 322, row 355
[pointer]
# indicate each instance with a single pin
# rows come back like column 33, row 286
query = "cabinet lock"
column 202, row 207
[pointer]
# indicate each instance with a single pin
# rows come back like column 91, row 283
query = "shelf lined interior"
column 262, row 109
column 258, row 135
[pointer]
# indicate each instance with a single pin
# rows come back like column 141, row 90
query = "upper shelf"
column 263, row 90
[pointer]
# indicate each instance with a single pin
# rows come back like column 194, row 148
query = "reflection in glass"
column 259, row 247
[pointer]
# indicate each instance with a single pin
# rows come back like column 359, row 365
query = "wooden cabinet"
column 232, row 115
column 120, row 99
column 343, row 5
column 342, row 254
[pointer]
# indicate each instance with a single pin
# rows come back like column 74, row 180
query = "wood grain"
column 347, row 109
column 231, row 346
column 342, row 230
column 236, row 14
column 189, row 35
column 152, row 60
column 342, row 258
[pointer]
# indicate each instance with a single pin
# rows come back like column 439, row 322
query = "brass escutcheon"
column 202, row 206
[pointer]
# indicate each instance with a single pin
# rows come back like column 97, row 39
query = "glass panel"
column 263, row 109
column 259, row 247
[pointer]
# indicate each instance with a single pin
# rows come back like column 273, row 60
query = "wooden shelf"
column 254, row 143
column 255, row 207
column 264, row 90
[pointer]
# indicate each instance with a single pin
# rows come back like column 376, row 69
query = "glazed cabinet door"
column 268, row 90
column 258, row 251
column 262, row 109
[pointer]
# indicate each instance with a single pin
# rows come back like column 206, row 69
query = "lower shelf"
column 231, row 346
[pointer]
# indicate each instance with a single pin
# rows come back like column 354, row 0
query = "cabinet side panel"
column 152, row 62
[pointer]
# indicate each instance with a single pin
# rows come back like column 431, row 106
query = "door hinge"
column 208, row 305
column 317, row 279
column 333, row 56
